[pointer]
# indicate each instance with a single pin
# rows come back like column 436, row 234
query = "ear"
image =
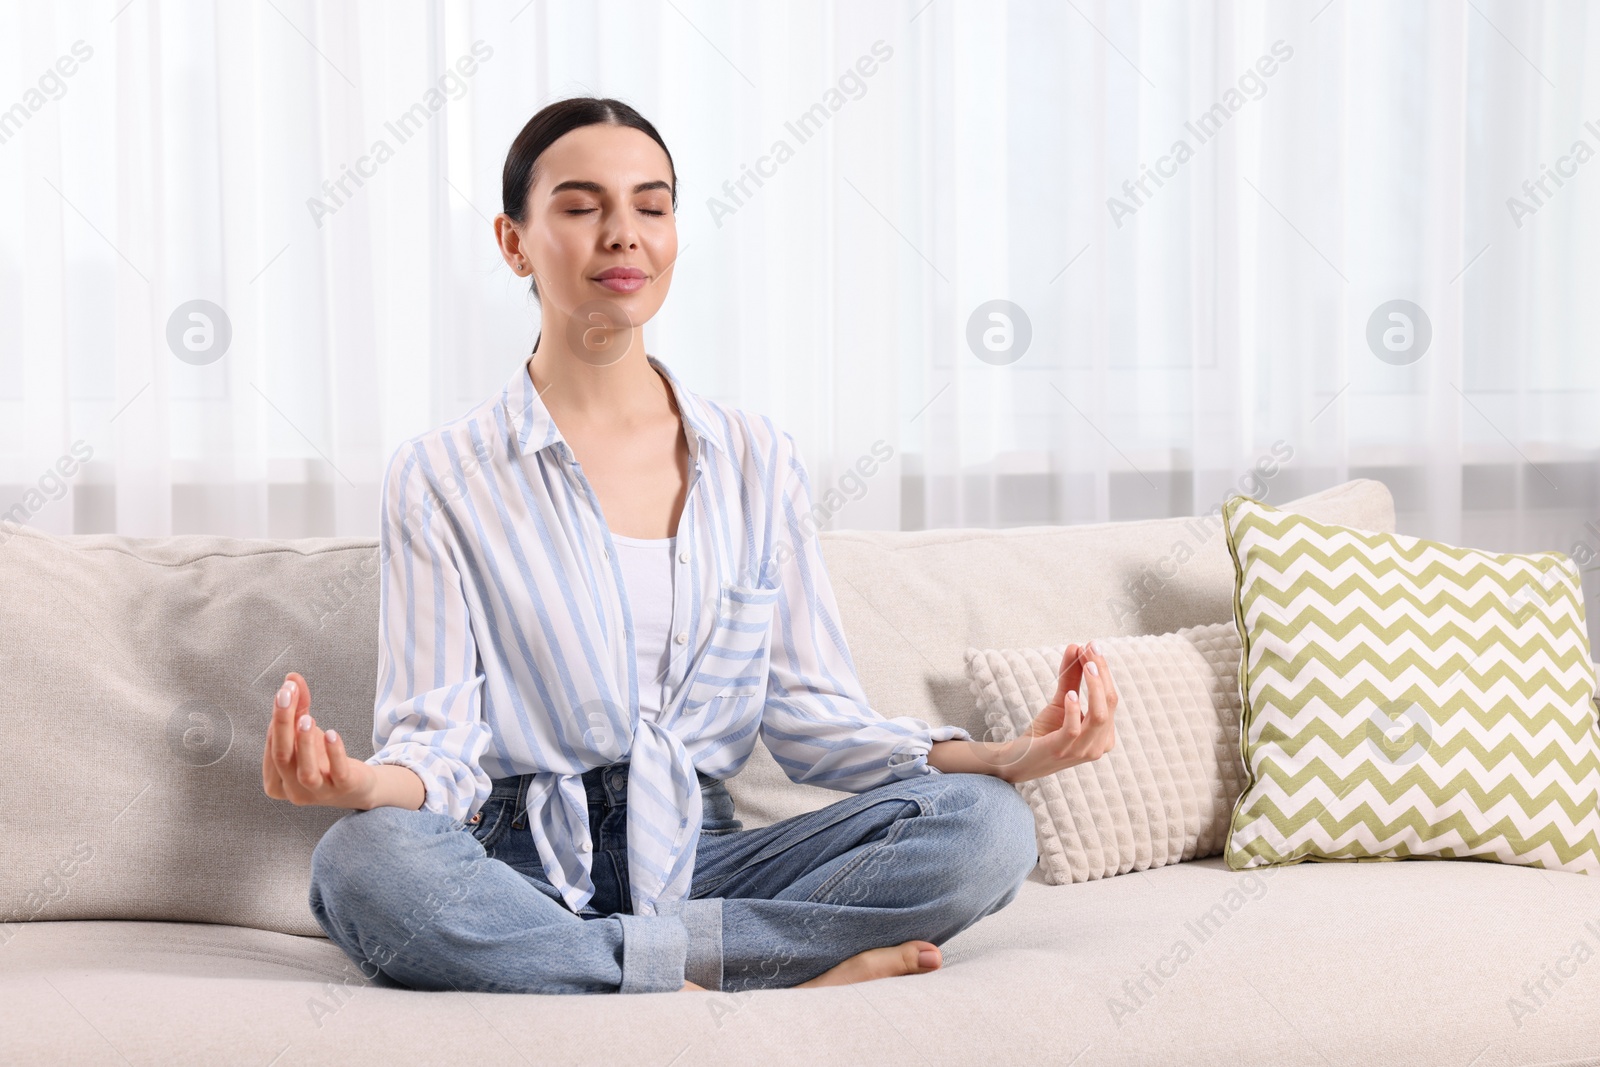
column 509, row 239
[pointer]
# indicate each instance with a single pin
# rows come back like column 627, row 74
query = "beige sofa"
column 154, row 899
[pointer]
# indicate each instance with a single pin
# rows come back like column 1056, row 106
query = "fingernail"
column 333, row 737
column 1072, row 695
column 1093, row 668
column 305, row 722
column 284, row 695
column 927, row 958
column 1094, row 648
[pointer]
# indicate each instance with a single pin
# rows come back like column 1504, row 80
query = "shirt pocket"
column 735, row 661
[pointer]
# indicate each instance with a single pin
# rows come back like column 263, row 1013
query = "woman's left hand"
column 1069, row 730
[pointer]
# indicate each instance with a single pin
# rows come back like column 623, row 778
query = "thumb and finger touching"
column 1070, row 674
column 309, row 761
column 317, row 748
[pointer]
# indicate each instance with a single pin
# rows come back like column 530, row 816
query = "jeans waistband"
column 606, row 786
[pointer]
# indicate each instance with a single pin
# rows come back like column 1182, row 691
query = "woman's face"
column 602, row 199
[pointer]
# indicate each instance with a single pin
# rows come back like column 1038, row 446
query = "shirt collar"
column 535, row 430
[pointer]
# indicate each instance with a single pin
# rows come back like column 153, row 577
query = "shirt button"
column 683, row 557
column 585, row 847
column 681, row 639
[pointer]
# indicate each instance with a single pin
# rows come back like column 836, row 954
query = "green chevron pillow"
column 1404, row 698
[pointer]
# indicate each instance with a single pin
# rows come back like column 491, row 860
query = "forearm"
column 971, row 757
column 394, row 786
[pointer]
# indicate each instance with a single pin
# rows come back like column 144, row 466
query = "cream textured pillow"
column 1405, row 698
column 1164, row 792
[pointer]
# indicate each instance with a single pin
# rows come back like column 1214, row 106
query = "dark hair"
column 552, row 122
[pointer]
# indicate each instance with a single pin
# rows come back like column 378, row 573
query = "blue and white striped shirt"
column 507, row 643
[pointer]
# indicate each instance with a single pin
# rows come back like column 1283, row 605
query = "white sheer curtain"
column 1342, row 155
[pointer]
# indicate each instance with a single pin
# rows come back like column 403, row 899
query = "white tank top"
column 647, row 577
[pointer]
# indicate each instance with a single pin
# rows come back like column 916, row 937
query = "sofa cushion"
column 1405, row 698
column 1394, row 964
column 136, row 684
column 1164, row 792
column 912, row 603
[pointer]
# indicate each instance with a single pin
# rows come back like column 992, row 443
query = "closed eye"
column 586, row 210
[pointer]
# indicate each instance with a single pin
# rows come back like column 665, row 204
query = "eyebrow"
column 596, row 187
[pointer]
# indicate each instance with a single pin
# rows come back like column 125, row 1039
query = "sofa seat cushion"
column 1398, row 963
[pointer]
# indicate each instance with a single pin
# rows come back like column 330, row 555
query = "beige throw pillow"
column 1165, row 791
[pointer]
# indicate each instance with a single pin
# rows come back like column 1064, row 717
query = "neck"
column 606, row 389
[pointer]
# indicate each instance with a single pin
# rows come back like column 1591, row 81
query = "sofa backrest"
column 912, row 603
column 137, row 674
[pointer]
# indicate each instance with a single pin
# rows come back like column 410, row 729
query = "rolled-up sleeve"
column 817, row 722
column 428, row 715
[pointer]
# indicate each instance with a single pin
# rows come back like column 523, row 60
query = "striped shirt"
column 506, row 642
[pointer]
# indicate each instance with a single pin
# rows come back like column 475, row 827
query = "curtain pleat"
column 1195, row 326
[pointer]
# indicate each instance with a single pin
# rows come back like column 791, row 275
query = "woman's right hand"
column 308, row 766
column 1069, row 731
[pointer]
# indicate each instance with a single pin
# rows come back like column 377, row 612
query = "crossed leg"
column 855, row 890
column 861, row 888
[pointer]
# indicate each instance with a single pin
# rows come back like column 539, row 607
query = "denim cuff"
column 654, row 948
column 703, row 923
column 703, row 919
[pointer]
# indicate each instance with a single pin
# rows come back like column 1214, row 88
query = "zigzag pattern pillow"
column 1405, row 698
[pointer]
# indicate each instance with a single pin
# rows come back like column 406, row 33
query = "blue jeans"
column 431, row 903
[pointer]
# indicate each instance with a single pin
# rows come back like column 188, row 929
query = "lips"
column 621, row 279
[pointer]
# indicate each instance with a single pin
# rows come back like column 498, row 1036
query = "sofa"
column 153, row 899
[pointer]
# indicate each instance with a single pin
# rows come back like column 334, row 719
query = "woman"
column 596, row 595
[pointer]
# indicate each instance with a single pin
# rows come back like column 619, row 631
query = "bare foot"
column 688, row 985
column 885, row 962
